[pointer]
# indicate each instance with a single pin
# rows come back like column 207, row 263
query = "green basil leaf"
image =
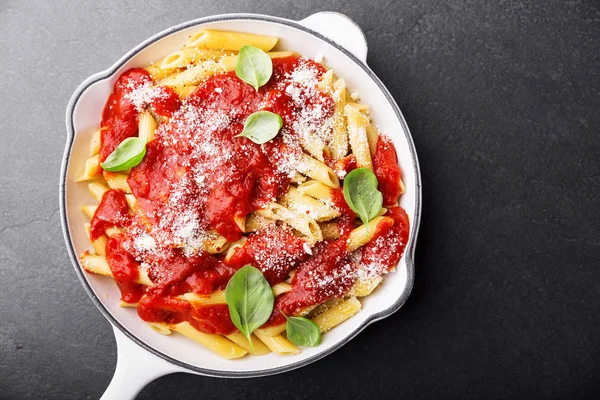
column 302, row 331
column 261, row 126
column 361, row 194
column 128, row 154
column 254, row 66
column 250, row 300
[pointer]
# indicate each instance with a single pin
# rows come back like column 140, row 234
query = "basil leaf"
column 128, row 154
column 361, row 194
column 261, row 126
column 302, row 331
column 250, row 300
column 253, row 66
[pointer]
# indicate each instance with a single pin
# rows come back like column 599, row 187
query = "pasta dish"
column 244, row 197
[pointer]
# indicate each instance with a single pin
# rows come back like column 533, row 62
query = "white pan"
column 143, row 354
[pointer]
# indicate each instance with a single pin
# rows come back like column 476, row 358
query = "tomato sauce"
column 112, row 211
column 387, row 171
column 197, row 179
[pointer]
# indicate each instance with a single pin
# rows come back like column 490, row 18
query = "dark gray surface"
column 503, row 100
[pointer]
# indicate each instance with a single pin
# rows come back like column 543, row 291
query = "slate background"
column 503, row 100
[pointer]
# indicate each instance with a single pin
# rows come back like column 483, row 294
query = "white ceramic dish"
column 143, row 354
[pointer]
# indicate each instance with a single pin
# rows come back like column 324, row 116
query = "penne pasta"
column 337, row 314
column 160, row 327
column 364, row 287
column 255, row 223
column 364, row 233
column 317, row 170
column 97, row 190
column 89, row 210
column 363, row 108
column 357, row 133
column 215, row 343
column 124, row 304
column 184, row 91
column 372, row 138
column 95, row 143
column 234, row 246
column 98, row 265
column 316, row 189
column 273, row 330
column 191, row 55
column 157, row 73
column 277, row 344
column 99, row 244
column 302, row 204
column 193, row 75
column 339, row 140
column 92, row 169
column 258, row 348
column 302, row 223
column 330, row 230
column 117, row 180
column 226, row 40
column 146, row 127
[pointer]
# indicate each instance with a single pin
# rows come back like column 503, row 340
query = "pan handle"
column 341, row 29
column 136, row 368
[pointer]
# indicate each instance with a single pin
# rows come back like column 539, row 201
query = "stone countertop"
column 503, row 101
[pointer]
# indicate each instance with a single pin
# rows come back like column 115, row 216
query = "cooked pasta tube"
column 364, row 233
column 364, row 287
column 302, row 204
column 257, row 348
column 337, row 314
column 193, row 75
column 160, row 327
column 191, row 55
column 273, row 330
column 99, row 265
column 317, row 170
column 146, row 126
column 339, row 140
column 89, row 209
column 91, row 170
column 278, row 344
column 330, row 230
column 234, row 246
column 372, row 138
column 157, row 73
column 99, row 244
column 216, row 343
column 302, row 223
column 227, row 40
column 95, row 143
column 117, row 180
column 184, row 91
column 315, row 189
column 256, row 222
column 357, row 133
column 97, row 190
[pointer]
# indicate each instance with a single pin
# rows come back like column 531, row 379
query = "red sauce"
column 387, row 170
column 389, row 242
column 325, row 275
column 112, row 211
column 197, row 177
column 119, row 118
column 125, row 269
column 275, row 252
